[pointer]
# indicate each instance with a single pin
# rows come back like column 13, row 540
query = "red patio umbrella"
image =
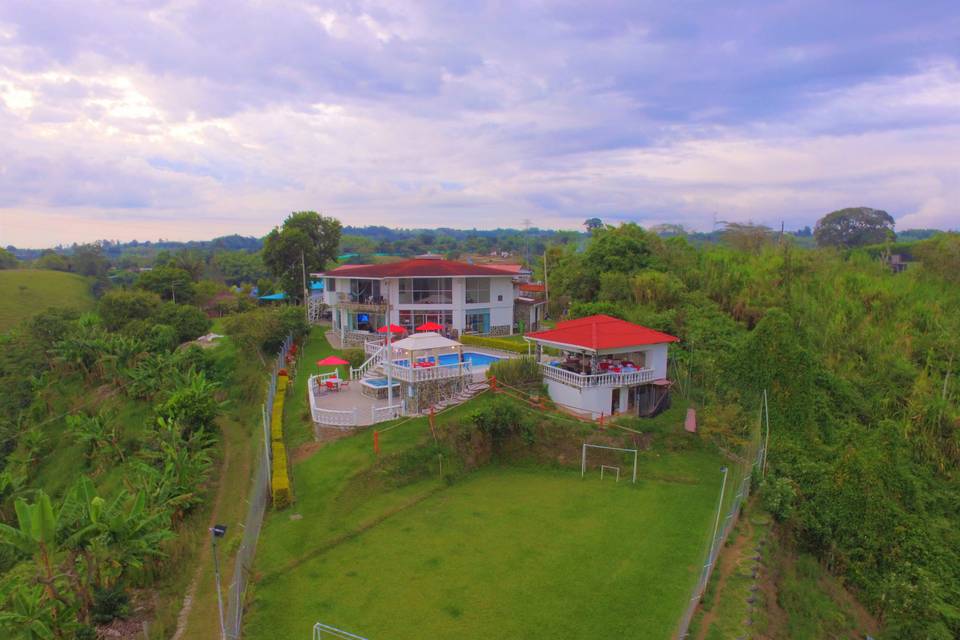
column 392, row 328
column 430, row 326
column 331, row 361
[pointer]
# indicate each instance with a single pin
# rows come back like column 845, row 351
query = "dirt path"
column 203, row 562
column 728, row 559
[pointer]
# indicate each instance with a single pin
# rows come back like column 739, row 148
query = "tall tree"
column 7, row 260
column 307, row 241
column 854, row 227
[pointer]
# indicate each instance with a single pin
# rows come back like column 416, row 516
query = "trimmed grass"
column 26, row 292
column 528, row 552
column 297, row 427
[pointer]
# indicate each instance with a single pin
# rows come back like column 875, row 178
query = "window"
column 411, row 319
column 477, row 321
column 365, row 291
column 332, row 285
column 426, row 291
column 478, row 290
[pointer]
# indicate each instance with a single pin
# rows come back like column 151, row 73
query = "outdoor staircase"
column 372, row 367
column 470, row 390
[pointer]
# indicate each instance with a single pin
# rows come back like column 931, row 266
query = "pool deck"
column 351, row 397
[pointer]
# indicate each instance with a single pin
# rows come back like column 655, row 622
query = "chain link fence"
column 720, row 534
column 258, row 500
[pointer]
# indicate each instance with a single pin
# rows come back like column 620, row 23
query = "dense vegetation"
column 860, row 365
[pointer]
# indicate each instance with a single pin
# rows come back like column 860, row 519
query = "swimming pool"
column 475, row 359
column 379, row 382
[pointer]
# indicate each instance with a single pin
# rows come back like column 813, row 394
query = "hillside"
column 25, row 292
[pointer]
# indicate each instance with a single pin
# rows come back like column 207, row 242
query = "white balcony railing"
column 328, row 417
column 376, row 354
column 382, row 414
column 423, row 374
column 609, row 379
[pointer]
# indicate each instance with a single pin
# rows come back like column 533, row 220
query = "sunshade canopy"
column 331, row 361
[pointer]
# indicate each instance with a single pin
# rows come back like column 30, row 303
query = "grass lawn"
column 25, row 292
column 507, row 552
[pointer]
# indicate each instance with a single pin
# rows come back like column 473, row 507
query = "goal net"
column 610, row 462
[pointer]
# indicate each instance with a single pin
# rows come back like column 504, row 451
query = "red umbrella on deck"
column 331, row 361
column 430, row 326
column 392, row 328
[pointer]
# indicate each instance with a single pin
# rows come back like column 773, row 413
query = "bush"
column 500, row 419
column 118, row 308
column 355, row 357
column 265, row 329
column 517, row 372
column 777, row 496
column 495, row 343
column 109, row 603
column 189, row 322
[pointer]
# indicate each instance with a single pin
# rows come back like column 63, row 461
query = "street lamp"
column 218, row 531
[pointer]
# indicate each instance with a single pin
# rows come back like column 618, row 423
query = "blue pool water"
column 475, row 359
column 378, row 382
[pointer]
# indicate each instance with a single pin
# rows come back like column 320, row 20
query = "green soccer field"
column 505, row 552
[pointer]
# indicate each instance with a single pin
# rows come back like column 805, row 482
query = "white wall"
column 594, row 400
column 657, row 360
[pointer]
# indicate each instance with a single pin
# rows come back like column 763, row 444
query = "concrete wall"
column 593, row 401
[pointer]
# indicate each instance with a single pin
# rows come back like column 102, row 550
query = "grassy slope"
column 635, row 550
column 42, row 289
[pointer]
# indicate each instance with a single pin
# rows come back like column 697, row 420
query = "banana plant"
column 26, row 617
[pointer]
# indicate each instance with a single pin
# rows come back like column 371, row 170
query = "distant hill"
column 25, row 292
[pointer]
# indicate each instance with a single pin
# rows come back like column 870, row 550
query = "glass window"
column 331, row 285
column 478, row 290
column 426, row 291
column 477, row 321
column 411, row 319
column 365, row 291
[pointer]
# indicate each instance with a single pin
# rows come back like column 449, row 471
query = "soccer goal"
column 325, row 632
column 607, row 461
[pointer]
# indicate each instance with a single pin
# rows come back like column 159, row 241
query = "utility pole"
column 306, row 292
column 546, row 282
column 766, row 442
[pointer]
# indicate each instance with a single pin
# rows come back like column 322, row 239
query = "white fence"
column 382, row 414
column 438, row 372
column 609, row 379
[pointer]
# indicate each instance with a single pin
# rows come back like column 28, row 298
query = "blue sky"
column 185, row 120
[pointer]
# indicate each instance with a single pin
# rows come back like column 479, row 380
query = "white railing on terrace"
column 439, row 372
column 328, row 417
column 375, row 358
column 609, row 379
column 382, row 414
column 371, row 347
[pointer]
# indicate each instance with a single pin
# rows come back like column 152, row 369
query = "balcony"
column 609, row 379
column 423, row 374
column 370, row 304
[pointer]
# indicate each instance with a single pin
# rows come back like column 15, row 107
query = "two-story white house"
column 467, row 298
column 600, row 365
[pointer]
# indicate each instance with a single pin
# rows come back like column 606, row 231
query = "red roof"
column 417, row 267
column 530, row 286
column 509, row 268
column 600, row 332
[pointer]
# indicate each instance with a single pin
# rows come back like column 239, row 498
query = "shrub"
column 355, row 357
column 109, row 603
column 265, row 329
column 189, row 322
column 777, row 496
column 500, row 419
column 118, row 308
column 516, row 372
column 495, row 343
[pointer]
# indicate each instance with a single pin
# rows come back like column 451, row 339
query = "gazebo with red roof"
column 605, row 365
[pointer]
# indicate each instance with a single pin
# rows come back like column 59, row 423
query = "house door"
column 615, row 401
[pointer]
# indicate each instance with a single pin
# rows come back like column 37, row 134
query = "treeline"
column 861, row 369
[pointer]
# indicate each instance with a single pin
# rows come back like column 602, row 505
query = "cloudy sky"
column 181, row 119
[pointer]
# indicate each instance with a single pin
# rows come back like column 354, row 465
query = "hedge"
column 280, row 482
column 495, row 343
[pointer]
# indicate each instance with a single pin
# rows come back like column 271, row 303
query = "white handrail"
column 371, row 362
column 609, row 379
column 438, row 372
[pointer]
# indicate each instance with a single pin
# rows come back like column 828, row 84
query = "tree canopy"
column 854, row 227
column 307, row 241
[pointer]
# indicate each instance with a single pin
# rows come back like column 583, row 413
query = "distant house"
column 605, row 366
column 898, row 262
